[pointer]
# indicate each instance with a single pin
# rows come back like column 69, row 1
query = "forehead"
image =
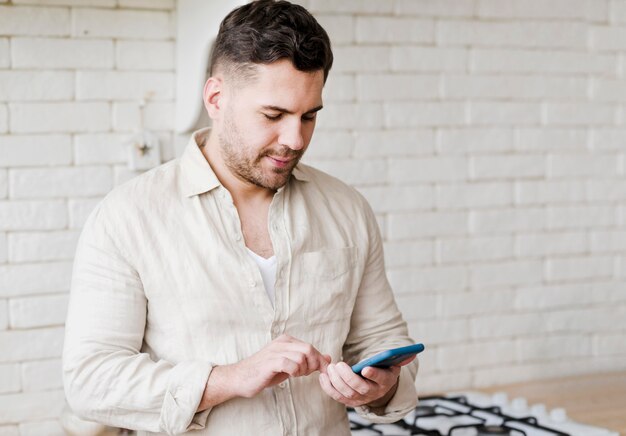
column 280, row 84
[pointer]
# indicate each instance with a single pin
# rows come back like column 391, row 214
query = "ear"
column 212, row 96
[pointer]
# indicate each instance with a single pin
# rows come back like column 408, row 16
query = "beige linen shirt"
column 163, row 290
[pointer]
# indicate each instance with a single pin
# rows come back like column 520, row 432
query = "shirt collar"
column 198, row 176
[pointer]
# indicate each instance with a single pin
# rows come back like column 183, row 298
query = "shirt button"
column 252, row 283
column 282, row 384
column 275, row 227
column 237, row 237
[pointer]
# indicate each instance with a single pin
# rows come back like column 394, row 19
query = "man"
column 228, row 291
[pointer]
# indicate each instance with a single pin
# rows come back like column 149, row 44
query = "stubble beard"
column 248, row 166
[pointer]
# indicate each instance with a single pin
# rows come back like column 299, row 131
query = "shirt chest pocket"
column 325, row 283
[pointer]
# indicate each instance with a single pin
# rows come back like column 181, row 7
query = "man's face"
column 266, row 125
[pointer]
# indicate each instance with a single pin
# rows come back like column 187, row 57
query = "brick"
column 340, row 28
column 474, row 195
column 507, row 325
column 69, row 181
column 40, row 311
column 507, row 166
column 580, row 114
column 4, row 184
column 391, row 30
column 564, row 295
column 446, row 382
column 541, row 9
column 112, row 85
column 475, row 303
column 391, row 143
column 425, row 224
column 145, row 55
column 340, row 87
column 50, row 427
column 16, row 408
column 461, row 356
column 504, row 113
column 541, row 61
column 351, row 116
column 554, row 347
column 42, row 246
column 390, row 87
column 539, row 34
column 608, row 241
column 419, row 307
column 605, row 38
column 427, row 169
column 79, row 210
column 576, row 217
column 583, row 165
column 20, row 345
column 507, row 220
column 60, row 117
column 36, row 86
column 475, row 140
column 544, row 140
column 4, row 321
column 32, row 215
column 408, row 253
column 428, row 280
column 518, row 87
column 16, row 21
column 35, row 278
column 440, row 331
column 427, row 59
column 331, row 144
column 5, row 54
column 579, row 268
column 617, row 11
column 81, row 3
column 610, row 345
column 362, row 172
column 420, row 114
column 358, row 59
column 352, row 6
column 439, row 8
column 105, row 148
column 490, row 248
column 549, row 192
column 594, row 320
column 610, row 90
column 34, row 150
column 512, row 273
column 399, row 198
column 607, row 139
column 122, row 23
column 10, row 379
column 61, row 53
column 148, row 4
column 4, row 122
column 4, row 250
column 545, row 244
column 156, row 116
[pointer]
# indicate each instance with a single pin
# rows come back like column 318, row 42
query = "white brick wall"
column 488, row 135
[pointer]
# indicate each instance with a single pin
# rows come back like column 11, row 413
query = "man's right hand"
column 282, row 358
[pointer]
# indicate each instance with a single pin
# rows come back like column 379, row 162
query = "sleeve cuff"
column 403, row 401
column 185, row 388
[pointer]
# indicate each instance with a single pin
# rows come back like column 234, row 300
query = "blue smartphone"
column 388, row 358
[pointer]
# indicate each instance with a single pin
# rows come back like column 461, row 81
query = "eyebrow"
column 287, row 111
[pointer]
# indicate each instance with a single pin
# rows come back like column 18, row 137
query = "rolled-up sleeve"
column 377, row 325
column 106, row 376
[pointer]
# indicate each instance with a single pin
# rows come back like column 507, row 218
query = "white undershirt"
column 267, row 267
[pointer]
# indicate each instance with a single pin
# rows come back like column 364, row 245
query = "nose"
column 291, row 135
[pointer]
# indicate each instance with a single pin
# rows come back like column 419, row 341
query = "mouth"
column 280, row 162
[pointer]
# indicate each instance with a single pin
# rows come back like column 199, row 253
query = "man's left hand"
column 353, row 390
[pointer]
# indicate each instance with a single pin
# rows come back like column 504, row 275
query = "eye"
column 309, row 118
column 273, row 117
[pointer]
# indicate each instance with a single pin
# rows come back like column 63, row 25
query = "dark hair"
column 265, row 31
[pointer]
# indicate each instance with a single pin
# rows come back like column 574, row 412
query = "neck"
column 241, row 190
